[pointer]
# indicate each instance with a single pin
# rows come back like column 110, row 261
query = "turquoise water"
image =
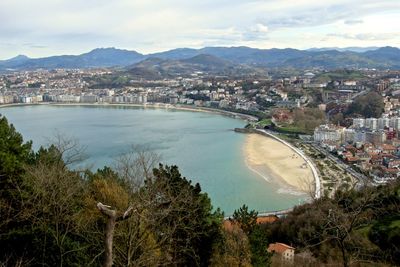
column 203, row 145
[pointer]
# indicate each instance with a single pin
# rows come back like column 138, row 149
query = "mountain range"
column 159, row 67
column 216, row 59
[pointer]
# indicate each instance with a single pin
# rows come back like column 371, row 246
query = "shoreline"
column 275, row 160
column 230, row 114
column 287, row 185
column 279, row 163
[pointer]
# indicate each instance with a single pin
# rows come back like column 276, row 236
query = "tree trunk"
column 344, row 256
column 112, row 219
column 108, row 241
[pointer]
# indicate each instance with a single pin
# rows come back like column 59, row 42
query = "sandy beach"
column 271, row 159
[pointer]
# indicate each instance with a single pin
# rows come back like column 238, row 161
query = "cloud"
column 366, row 36
column 255, row 32
column 353, row 21
column 35, row 46
column 305, row 14
column 38, row 46
column 74, row 26
column 259, row 28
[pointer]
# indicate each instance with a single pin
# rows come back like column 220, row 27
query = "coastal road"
column 267, row 213
column 367, row 90
column 359, row 176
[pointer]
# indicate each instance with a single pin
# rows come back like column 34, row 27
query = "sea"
column 203, row 146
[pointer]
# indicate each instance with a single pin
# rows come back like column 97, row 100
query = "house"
column 352, row 160
column 393, row 163
column 363, row 156
column 376, row 160
column 388, row 149
column 351, row 148
column 282, row 116
column 346, row 154
column 285, row 251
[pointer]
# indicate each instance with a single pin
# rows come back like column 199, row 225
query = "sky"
column 39, row 28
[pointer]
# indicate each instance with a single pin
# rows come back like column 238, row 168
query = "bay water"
column 203, row 146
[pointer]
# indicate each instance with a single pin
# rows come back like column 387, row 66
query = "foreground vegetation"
column 142, row 213
column 358, row 228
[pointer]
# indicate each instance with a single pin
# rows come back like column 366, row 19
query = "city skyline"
column 73, row 27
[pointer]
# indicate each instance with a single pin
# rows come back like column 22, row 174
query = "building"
column 285, row 251
column 376, row 138
column 67, row 98
column 328, row 133
column 360, row 137
column 3, row 99
column 349, row 135
column 359, row 123
column 288, row 104
column 88, row 99
column 371, row 124
column 383, row 123
column 395, row 123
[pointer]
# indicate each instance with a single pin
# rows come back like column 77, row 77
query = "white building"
column 110, row 92
column 25, row 99
column 330, row 133
column 371, row 123
column 383, row 122
column 349, row 135
column 360, row 137
column 359, row 122
column 88, row 98
column 68, row 98
column 286, row 252
column 395, row 123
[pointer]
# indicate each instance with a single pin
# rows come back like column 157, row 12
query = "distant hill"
column 328, row 58
column 389, row 56
column 241, row 54
column 100, row 57
column 158, row 67
column 207, row 60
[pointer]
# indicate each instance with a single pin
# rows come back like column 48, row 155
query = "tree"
column 184, row 214
column 247, row 221
column 167, row 220
column 53, row 206
column 258, row 246
column 348, row 213
column 337, row 118
column 235, row 249
column 104, row 186
column 14, row 154
column 370, row 106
